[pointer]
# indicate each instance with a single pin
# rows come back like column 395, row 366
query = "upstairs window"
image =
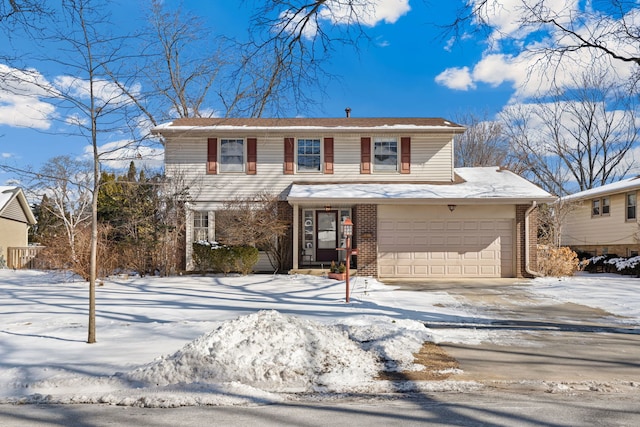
column 385, row 155
column 606, row 206
column 595, row 207
column 601, row 207
column 309, row 155
column 631, row 206
column 231, row 155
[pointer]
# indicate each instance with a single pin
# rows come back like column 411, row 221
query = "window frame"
column 320, row 155
column 375, row 166
column 202, row 218
column 605, row 208
column 627, row 206
column 601, row 206
column 222, row 165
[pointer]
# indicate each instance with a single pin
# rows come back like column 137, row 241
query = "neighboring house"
column 414, row 215
column 15, row 219
column 603, row 220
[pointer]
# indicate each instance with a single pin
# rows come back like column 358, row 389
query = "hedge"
column 219, row 258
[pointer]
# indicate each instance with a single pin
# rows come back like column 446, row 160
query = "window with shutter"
column 231, row 155
column 385, row 154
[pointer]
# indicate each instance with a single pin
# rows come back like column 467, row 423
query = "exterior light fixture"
column 451, row 208
column 327, row 208
column 347, row 228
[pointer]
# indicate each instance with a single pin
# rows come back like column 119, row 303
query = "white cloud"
column 6, row 155
column 119, row 154
column 456, row 78
column 20, row 99
column 104, row 91
column 363, row 12
column 506, row 16
column 519, row 55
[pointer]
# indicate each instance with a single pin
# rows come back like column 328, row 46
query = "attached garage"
column 479, row 225
column 432, row 241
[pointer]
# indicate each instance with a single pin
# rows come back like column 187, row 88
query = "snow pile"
column 393, row 341
column 269, row 350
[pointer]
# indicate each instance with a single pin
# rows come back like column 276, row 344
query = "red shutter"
column 328, row 156
column 288, row 155
column 365, row 155
column 212, row 156
column 405, row 154
column 252, row 155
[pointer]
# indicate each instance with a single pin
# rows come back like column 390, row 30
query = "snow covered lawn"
column 236, row 340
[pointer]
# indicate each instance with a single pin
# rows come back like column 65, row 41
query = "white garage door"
column 445, row 248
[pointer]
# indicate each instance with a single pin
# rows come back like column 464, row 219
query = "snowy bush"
column 613, row 264
column 628, row 266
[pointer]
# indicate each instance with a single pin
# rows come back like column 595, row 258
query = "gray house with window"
column 414, row 214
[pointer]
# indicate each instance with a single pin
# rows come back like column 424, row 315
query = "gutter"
column 527, row 267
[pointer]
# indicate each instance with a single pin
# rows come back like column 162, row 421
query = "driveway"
column 551, row 346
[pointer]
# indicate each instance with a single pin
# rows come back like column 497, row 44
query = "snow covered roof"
column 487, row 185
column 621, row 186
column 7, row 194
column 301, row 123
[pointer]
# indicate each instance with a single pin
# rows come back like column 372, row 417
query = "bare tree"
column 579, row 138
column 607, row 29
column 254, row 221
column 484, row 143
column 66, row 183
column 290, row 42
column 78, row 39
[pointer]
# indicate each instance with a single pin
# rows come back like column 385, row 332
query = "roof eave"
column 420, row 201
column 168, row 130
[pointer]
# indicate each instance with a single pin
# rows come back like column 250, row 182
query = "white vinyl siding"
column 185, row 159
column 580, row 227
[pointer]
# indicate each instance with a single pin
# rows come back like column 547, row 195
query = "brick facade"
column 365, row 219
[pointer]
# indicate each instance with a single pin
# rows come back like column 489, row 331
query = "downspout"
column 527, row 267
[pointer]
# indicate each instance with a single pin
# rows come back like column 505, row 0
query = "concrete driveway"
column 553, row 346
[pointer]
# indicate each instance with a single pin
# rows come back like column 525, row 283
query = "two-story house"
column 414, row 214
column 603, row 220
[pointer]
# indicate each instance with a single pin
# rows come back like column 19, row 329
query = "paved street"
column 572, row 365
column 566, row 346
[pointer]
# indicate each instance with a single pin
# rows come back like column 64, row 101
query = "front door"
column 327, row 235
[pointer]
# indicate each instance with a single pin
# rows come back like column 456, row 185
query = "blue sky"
column 407, row 69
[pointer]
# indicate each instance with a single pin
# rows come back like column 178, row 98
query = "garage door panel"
column 441, row 248
column 436, row 225
column 471, row 270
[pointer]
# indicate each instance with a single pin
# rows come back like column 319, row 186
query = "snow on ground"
column 212, row 340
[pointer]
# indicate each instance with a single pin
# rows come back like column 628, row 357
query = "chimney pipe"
column 348, row 111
